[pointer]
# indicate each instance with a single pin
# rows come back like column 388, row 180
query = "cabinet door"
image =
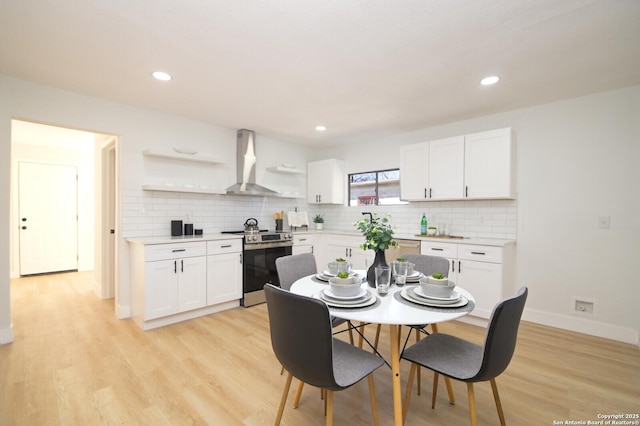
column 325, row 182
column 488, row 164
column 192, row 283
column 446, row 168
column 484, row 281
column 224, row 278
column 414, row 171
column 161, row 289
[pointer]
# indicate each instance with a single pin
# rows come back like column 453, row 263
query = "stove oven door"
column 260, row 269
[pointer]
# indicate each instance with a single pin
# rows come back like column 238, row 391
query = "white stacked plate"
column 326, row 275
column 415, row 277
column 364, row 298
column 415, row 295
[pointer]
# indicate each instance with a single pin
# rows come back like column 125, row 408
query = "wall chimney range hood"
column 246, row 168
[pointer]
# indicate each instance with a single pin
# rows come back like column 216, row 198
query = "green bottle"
column 423, row 225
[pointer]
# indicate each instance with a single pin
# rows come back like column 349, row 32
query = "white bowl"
column 437, row 290
column 344, row 287
column 432, row 231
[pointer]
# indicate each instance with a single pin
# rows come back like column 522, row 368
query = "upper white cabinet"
column 325, row 182
column 474, row 166
column 488, row 164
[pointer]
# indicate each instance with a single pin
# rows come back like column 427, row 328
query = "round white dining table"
column 388, row 311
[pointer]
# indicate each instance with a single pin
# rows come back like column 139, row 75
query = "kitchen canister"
column 176, row 228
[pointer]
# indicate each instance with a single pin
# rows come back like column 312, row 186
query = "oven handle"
column 259, row 246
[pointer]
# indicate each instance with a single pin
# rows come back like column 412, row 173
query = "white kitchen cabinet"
column 484, row 271
column 175, row 279
column 489, row 165
column 170, row 280
column 326, row 182
column 306, row 243
column 224, row 271
column 347, row 248
column 432, row 170
column 474, row 166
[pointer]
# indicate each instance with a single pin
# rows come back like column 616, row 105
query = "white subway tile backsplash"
column 149, row 213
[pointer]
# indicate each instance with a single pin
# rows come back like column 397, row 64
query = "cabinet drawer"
column 480, row 253
column 224, row 246
column 302, row 240
column 174, row 251
column 439, row 249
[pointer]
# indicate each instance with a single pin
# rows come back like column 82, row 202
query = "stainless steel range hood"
column 246, row 168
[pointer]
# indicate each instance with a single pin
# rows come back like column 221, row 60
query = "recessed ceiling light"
column 321, row 128
column 488, row 81
column 162, row 76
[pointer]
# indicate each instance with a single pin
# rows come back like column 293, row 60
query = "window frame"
column 377, row 186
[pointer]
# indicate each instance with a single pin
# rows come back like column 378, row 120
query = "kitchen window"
column 381, row 188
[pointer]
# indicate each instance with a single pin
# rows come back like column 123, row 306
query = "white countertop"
column 496, row 242
column 182, row 239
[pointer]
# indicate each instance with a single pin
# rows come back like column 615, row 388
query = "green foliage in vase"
column 378, row 233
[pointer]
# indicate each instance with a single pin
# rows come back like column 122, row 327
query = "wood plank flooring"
column 74, row 363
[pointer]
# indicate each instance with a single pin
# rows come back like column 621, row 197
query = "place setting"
column 435, row 292
column 345, row 291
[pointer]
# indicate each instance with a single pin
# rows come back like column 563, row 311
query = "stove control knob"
column 289, row 236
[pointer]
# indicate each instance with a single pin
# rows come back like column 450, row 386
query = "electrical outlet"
column 583, row 306
column 604, row 222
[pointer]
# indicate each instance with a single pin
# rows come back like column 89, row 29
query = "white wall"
column 577, row 160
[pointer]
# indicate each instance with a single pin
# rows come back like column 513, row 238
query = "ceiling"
column 364, row 69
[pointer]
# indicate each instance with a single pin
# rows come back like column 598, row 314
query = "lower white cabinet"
column 347, row 248
column 175, row 279
column 485, row 271
column 224, row 271
column 173, row 282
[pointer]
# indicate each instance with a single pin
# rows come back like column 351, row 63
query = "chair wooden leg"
column 374, row 402
column 350, row 333
column 281, row 370
column 452, row 398
column 494, row 388
column 375, row 342
column 283, row 400
column 419, row 375
column 329, row 408
column 435, row 390
column 472, row 404
column 296, row 400
column 407, row 393
column 361, row 327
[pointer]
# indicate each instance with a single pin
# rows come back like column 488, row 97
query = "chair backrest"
column 301, row 336
column 500, row 340
column 429, row 264
column 292, row 268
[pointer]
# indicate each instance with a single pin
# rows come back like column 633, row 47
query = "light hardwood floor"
column 74, row 363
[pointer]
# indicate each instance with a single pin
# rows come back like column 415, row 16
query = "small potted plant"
column 437, row 279
column 318, row 220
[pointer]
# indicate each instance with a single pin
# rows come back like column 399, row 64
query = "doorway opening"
column 49, row 155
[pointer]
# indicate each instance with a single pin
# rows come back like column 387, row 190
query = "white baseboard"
column 566, row 322
column 584, row 325
column 6, row 335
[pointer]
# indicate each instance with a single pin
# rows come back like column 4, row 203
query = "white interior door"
column 48, row 198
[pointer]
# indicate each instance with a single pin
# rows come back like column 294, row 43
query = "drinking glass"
column 344, row 267
column 400, row 271
column 383, row 279
column 333, row 268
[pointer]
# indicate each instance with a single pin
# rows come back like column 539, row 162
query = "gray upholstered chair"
column 465, row 361
column 307, row 349
column 291, row 268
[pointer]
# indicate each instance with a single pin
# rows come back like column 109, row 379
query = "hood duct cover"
column 246, row 168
